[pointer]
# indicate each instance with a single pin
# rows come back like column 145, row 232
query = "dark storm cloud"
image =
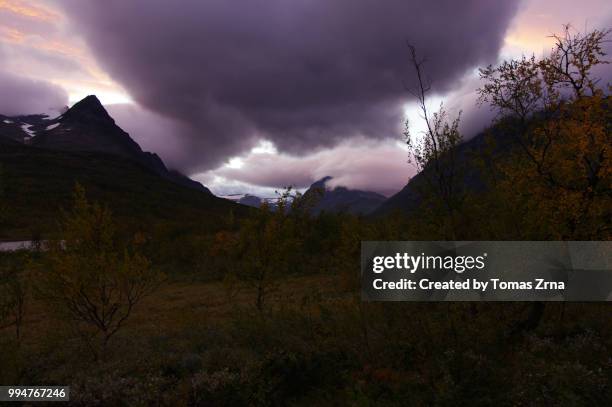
column 19, row 95
column 151, row 131
column 303, row 73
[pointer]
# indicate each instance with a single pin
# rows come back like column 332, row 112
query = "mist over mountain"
column 321, row 197
column 341, row 199
column 409, row 198
column 250, row 200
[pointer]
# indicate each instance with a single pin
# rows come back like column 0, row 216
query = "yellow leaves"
column 92, row 277
column 139, row 239
column 564, row 193
column 559, row 176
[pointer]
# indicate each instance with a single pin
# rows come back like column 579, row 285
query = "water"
column 15, row 245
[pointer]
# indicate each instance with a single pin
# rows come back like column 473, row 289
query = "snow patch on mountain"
column 28, row 129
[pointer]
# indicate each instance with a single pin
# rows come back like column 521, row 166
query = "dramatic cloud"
column 20, row 95
column 304, row 74
column 474, row 117
column 356, row 163
column 151, row 131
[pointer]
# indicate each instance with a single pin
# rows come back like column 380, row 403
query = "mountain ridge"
column 408, row 199
column 342, row 199
column 88, row 127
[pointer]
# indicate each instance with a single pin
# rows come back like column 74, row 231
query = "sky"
column 250, row 97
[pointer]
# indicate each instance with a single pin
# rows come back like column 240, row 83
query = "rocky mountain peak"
column 89, row 109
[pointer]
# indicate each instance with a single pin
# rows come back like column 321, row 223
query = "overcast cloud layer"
column 374, row 166
column 304, row 74
column 20, row 95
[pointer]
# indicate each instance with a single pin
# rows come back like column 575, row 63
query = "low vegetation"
column 263, row 307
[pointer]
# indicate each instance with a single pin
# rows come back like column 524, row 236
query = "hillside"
column 37, row 182
column 87, row 127
column 42, row 159
column 408, row 199
column 342, row 199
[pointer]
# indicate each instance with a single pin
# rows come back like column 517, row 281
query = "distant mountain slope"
column 408, row 198
column 341, row 199
column 36, row 182
column 87, row 127
column 250, row 200
column 13, row 129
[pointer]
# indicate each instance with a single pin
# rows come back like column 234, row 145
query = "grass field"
column 192, row 343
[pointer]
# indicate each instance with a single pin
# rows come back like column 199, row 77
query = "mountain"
column 250, row 200
column 408, row 199
column 37, row 182
column 341, row 199
column 41, row 159
column 87, row 127
column 255, row 201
